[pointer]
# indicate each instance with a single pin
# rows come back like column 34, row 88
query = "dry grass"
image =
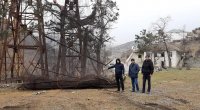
column 172, row 89
column 187, row 76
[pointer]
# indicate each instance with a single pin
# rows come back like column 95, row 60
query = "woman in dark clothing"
column 147, row 71
column 119, row 72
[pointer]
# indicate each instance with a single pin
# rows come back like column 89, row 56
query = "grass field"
column 171, row 90
column 186, row 76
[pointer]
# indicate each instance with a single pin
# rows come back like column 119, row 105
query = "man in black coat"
column 147, row 71
column 119, row 72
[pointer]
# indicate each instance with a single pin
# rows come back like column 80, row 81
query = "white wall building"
column 139, row 58
column 177, row 34
column 159, row 57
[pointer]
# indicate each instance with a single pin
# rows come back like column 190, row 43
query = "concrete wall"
column 174, row 59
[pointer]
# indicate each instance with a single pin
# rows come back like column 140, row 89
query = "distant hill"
column 117, row 51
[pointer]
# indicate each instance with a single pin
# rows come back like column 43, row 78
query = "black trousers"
column 148, row 78
column 120, row 82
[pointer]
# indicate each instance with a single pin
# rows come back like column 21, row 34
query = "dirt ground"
column 172, row 90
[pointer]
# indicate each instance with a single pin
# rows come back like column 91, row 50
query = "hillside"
column 117, row 51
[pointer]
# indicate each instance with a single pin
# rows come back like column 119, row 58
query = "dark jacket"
column 133, row 70
column 119, row 68
column 147, row 67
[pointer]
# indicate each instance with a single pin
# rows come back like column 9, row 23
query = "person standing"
column 119, row 72
column 133, row 74
column 147, row 71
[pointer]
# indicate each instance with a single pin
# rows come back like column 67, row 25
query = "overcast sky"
column 136, row 15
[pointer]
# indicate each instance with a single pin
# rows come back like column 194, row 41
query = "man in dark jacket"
column 147, row 71
column 119, row 71
column 133, row 73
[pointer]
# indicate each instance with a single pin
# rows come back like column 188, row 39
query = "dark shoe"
column 132, row 91
column 143, row 92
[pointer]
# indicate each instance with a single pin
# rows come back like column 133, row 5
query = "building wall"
column 174, row 59
column 157, row 60
column 138, row 60
column 177, row 36
column 135, row 56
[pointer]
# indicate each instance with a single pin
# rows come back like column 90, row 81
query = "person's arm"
column 138, row 68
column 129, row 70
column 151, row 68
column 142, row 68
column 123, row 70
column 111, row 67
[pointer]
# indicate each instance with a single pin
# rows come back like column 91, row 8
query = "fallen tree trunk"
column 97, row 82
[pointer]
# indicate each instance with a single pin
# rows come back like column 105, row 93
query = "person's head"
column 118, row 61
column 132, row 60
column 147, row 56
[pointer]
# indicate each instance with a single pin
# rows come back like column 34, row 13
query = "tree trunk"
column 58, row 60
column 168, row 53
column 61, row 62
column 15, row 26
column 43, row 51
column 82, row 42
column 84, row 53
column 3, row 49
column 98, row 54
column 100, row 42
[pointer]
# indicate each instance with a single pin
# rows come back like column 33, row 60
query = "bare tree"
column 185, row 55
column 107, row 13
column 160, row 28
column 79, row 32
column 4, row 8
column 91, row 33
